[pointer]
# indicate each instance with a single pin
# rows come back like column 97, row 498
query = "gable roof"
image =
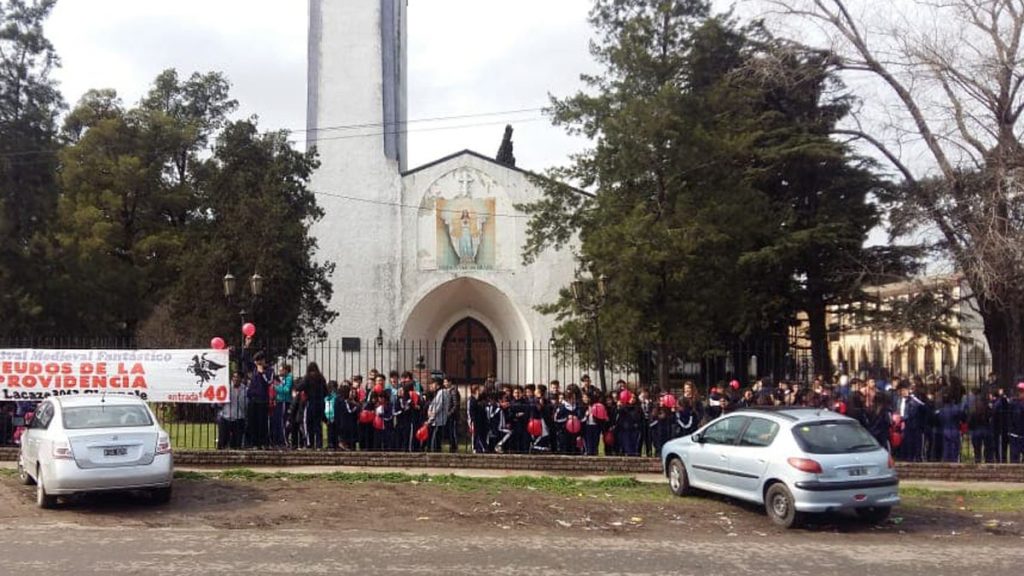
column 492, row 161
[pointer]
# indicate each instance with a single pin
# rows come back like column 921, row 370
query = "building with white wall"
column 429, row 253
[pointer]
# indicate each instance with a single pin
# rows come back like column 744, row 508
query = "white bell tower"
column 356, row 119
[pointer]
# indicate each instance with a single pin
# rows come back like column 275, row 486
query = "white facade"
column 416, row 251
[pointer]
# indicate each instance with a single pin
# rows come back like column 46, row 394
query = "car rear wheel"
column 161, row 495
column 23, row 476
column 874, row 514
column 781, row 507
column 678, row 481
column 43, row 500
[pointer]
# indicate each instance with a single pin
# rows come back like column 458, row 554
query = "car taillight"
column 163, row 444
column 805, row 465
column 61, row 451
column 892, row 463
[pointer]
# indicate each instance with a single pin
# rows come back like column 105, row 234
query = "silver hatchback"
column 794, row 461
column 90, row 443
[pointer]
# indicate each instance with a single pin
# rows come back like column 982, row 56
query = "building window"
column 929, row 359
column 912, row 360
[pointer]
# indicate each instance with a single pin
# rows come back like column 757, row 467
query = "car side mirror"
column 698, row 438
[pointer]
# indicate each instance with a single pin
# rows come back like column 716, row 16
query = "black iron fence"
column 198, row 426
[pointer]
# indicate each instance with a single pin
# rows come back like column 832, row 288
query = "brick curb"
column 546, row 463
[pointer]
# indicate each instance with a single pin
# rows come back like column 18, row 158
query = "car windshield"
column 123, row 416
column 833, row 437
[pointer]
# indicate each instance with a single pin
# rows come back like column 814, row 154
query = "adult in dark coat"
column 314, row 386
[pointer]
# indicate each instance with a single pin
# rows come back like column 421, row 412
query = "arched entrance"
column 468, row 353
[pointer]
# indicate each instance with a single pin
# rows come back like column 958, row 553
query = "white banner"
column 199, row 376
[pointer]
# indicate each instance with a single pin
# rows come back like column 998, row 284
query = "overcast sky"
column 465, row 57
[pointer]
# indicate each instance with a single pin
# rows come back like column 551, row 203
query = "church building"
column 429, row 253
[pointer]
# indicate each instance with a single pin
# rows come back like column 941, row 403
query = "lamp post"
column 590, row 295
column 231, row 294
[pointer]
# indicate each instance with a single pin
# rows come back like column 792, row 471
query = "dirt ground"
column 429, row 510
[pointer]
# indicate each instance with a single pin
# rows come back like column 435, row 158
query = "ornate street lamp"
column 230, row 284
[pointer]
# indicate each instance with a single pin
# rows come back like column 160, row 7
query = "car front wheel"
column 678, row 481
column 781, row 507
column 874, row 514
column 43, row 500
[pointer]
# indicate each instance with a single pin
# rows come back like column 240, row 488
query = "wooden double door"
column 468, row 353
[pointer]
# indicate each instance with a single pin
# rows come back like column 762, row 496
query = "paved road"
column 68, row 549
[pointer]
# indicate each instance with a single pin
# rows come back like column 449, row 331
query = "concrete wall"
column 357, row 184
column 524, row 287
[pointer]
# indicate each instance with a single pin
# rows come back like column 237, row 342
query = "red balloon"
column 572, row 425
column 378, row 422
column 217, row 343
column 415, row 396
column 625, row 397
column 249, row 329
column 378, row 389
column 895, row 439
column 535, row 427
column 963, row 427
column 609, row 438
column 897, row 419
column 423, row 433
column 668, row 401
column 366, row 416
column 599, row 411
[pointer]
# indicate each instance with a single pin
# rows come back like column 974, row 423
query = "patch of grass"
column 8, row 472
column 617, row 487
column 972, row 500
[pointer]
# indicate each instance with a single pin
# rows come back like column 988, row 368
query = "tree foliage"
column 721, row 206
column 29, row 107
column 958, row 89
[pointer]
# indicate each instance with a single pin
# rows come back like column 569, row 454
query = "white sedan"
column 95, row 443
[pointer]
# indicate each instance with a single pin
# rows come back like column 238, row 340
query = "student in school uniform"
column 476, row 417
column 950, row 416
column 383, row 425
column 330, row 415
column 297, row 419
column 405, row 418
column 519, row 412
column 540, row 410
column 347, row 410
column 438, row 414
column 912, row 411
column 593, row 421
column 568, row 409
column 660, row 428
column 498, row 422
column 1016, row 426
column 611, row 408
column 627, row 427
column 687, row 417
column 979, row 423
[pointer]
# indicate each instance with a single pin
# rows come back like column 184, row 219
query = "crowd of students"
column 917, row 420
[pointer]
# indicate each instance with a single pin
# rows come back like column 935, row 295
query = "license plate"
column 118, row 451
column 858, row 471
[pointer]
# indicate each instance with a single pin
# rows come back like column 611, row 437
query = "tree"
column 824, row 195
column 118, row 230
column 255, row 212
column 955, row 72
column 29, row 106
column 672, row 212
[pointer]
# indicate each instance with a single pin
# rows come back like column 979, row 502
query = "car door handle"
column 761, row 460
column 721, row 457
